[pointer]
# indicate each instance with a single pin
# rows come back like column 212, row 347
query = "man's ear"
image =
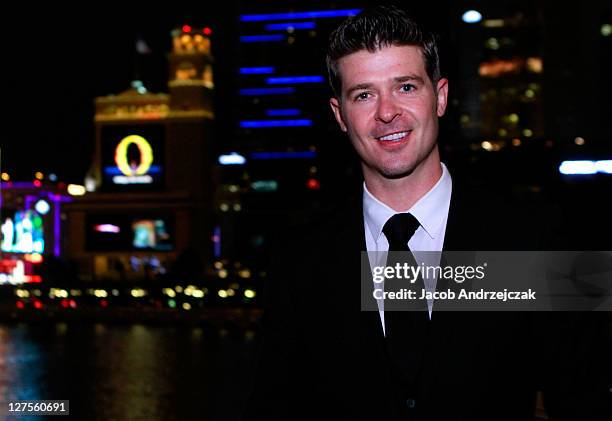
column 442, row 94
column 335, row 106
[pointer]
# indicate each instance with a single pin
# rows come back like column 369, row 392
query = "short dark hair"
column 375, row 28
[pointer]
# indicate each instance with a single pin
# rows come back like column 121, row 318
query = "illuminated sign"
column 133, row 172
column 23, row 233
column 132, row 156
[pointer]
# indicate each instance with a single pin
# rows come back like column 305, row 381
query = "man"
column 323, row 358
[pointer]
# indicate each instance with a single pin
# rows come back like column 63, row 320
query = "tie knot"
column 399, row 229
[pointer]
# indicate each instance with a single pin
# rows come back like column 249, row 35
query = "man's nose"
column 388, row 109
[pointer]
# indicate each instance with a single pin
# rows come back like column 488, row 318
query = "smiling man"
column 389, row 106
column 324, row 358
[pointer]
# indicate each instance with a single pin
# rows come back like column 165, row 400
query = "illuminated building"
column 282, row 156
column 150, row 184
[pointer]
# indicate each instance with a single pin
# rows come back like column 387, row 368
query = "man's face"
column 390, row 109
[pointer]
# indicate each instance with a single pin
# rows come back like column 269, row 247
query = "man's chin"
column 396, row 173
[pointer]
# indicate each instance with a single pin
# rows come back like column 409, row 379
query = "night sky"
column 57, row 61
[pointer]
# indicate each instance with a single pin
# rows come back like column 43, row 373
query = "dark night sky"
column 57, row 61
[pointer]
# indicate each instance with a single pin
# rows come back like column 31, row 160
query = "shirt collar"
column 430, row 210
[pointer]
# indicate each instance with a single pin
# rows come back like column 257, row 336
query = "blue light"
column 262, row 38
column 232, row 159
column 284, row 155
column 585, row 167
column 294, row 79
column 290, row 25
column 154, row 169
column 267, row 91
column 300, row 15
column 257, row 70
column 217, row 241
column 284, row 112
column 258, row 124
column 471, row 16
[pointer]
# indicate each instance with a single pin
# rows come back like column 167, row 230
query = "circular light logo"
column 146, row 156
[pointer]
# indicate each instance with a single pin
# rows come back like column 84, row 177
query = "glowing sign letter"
column 146, row 155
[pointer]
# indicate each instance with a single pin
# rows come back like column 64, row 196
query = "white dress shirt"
column 431, row 211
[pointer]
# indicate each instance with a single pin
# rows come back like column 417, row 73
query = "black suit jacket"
column 323, row 358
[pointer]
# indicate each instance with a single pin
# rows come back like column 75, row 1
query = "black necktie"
column 399, row 229
column 405, row 331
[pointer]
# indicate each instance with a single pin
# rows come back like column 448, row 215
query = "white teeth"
column 395, row 136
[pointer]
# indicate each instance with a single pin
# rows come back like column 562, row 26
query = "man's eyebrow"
column 409, row 78
column 358, row 87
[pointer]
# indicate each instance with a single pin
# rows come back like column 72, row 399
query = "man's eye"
column 362, row 96
column 407, row 88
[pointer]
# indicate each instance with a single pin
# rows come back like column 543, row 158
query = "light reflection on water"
column 128, row 372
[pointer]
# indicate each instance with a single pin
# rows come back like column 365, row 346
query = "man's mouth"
column 394, row 137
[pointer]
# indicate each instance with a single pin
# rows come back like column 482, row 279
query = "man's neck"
column 401, row 194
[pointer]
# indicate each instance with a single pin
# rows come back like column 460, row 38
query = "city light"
column 471, row 16
column 100, row 293
column 5, row 177
column 256, row 70
column 39, row 175
column 249, row 293
column 107, row 228
column 232, row 159
column 258, row 124
column 264, row 185
column 283, row 112
column 579, row 141
column 262, row 38
column 76, row 190
column 313, row 184
column 35, row 258
column 207, row 31
column 138, row 292
column 42, row 207
column 606, row 29
column 186, row 28
column 604, row 167
column 294, row 79
column 487, row 146
column 585, row 167
column 299, row 15
column 289, row 26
